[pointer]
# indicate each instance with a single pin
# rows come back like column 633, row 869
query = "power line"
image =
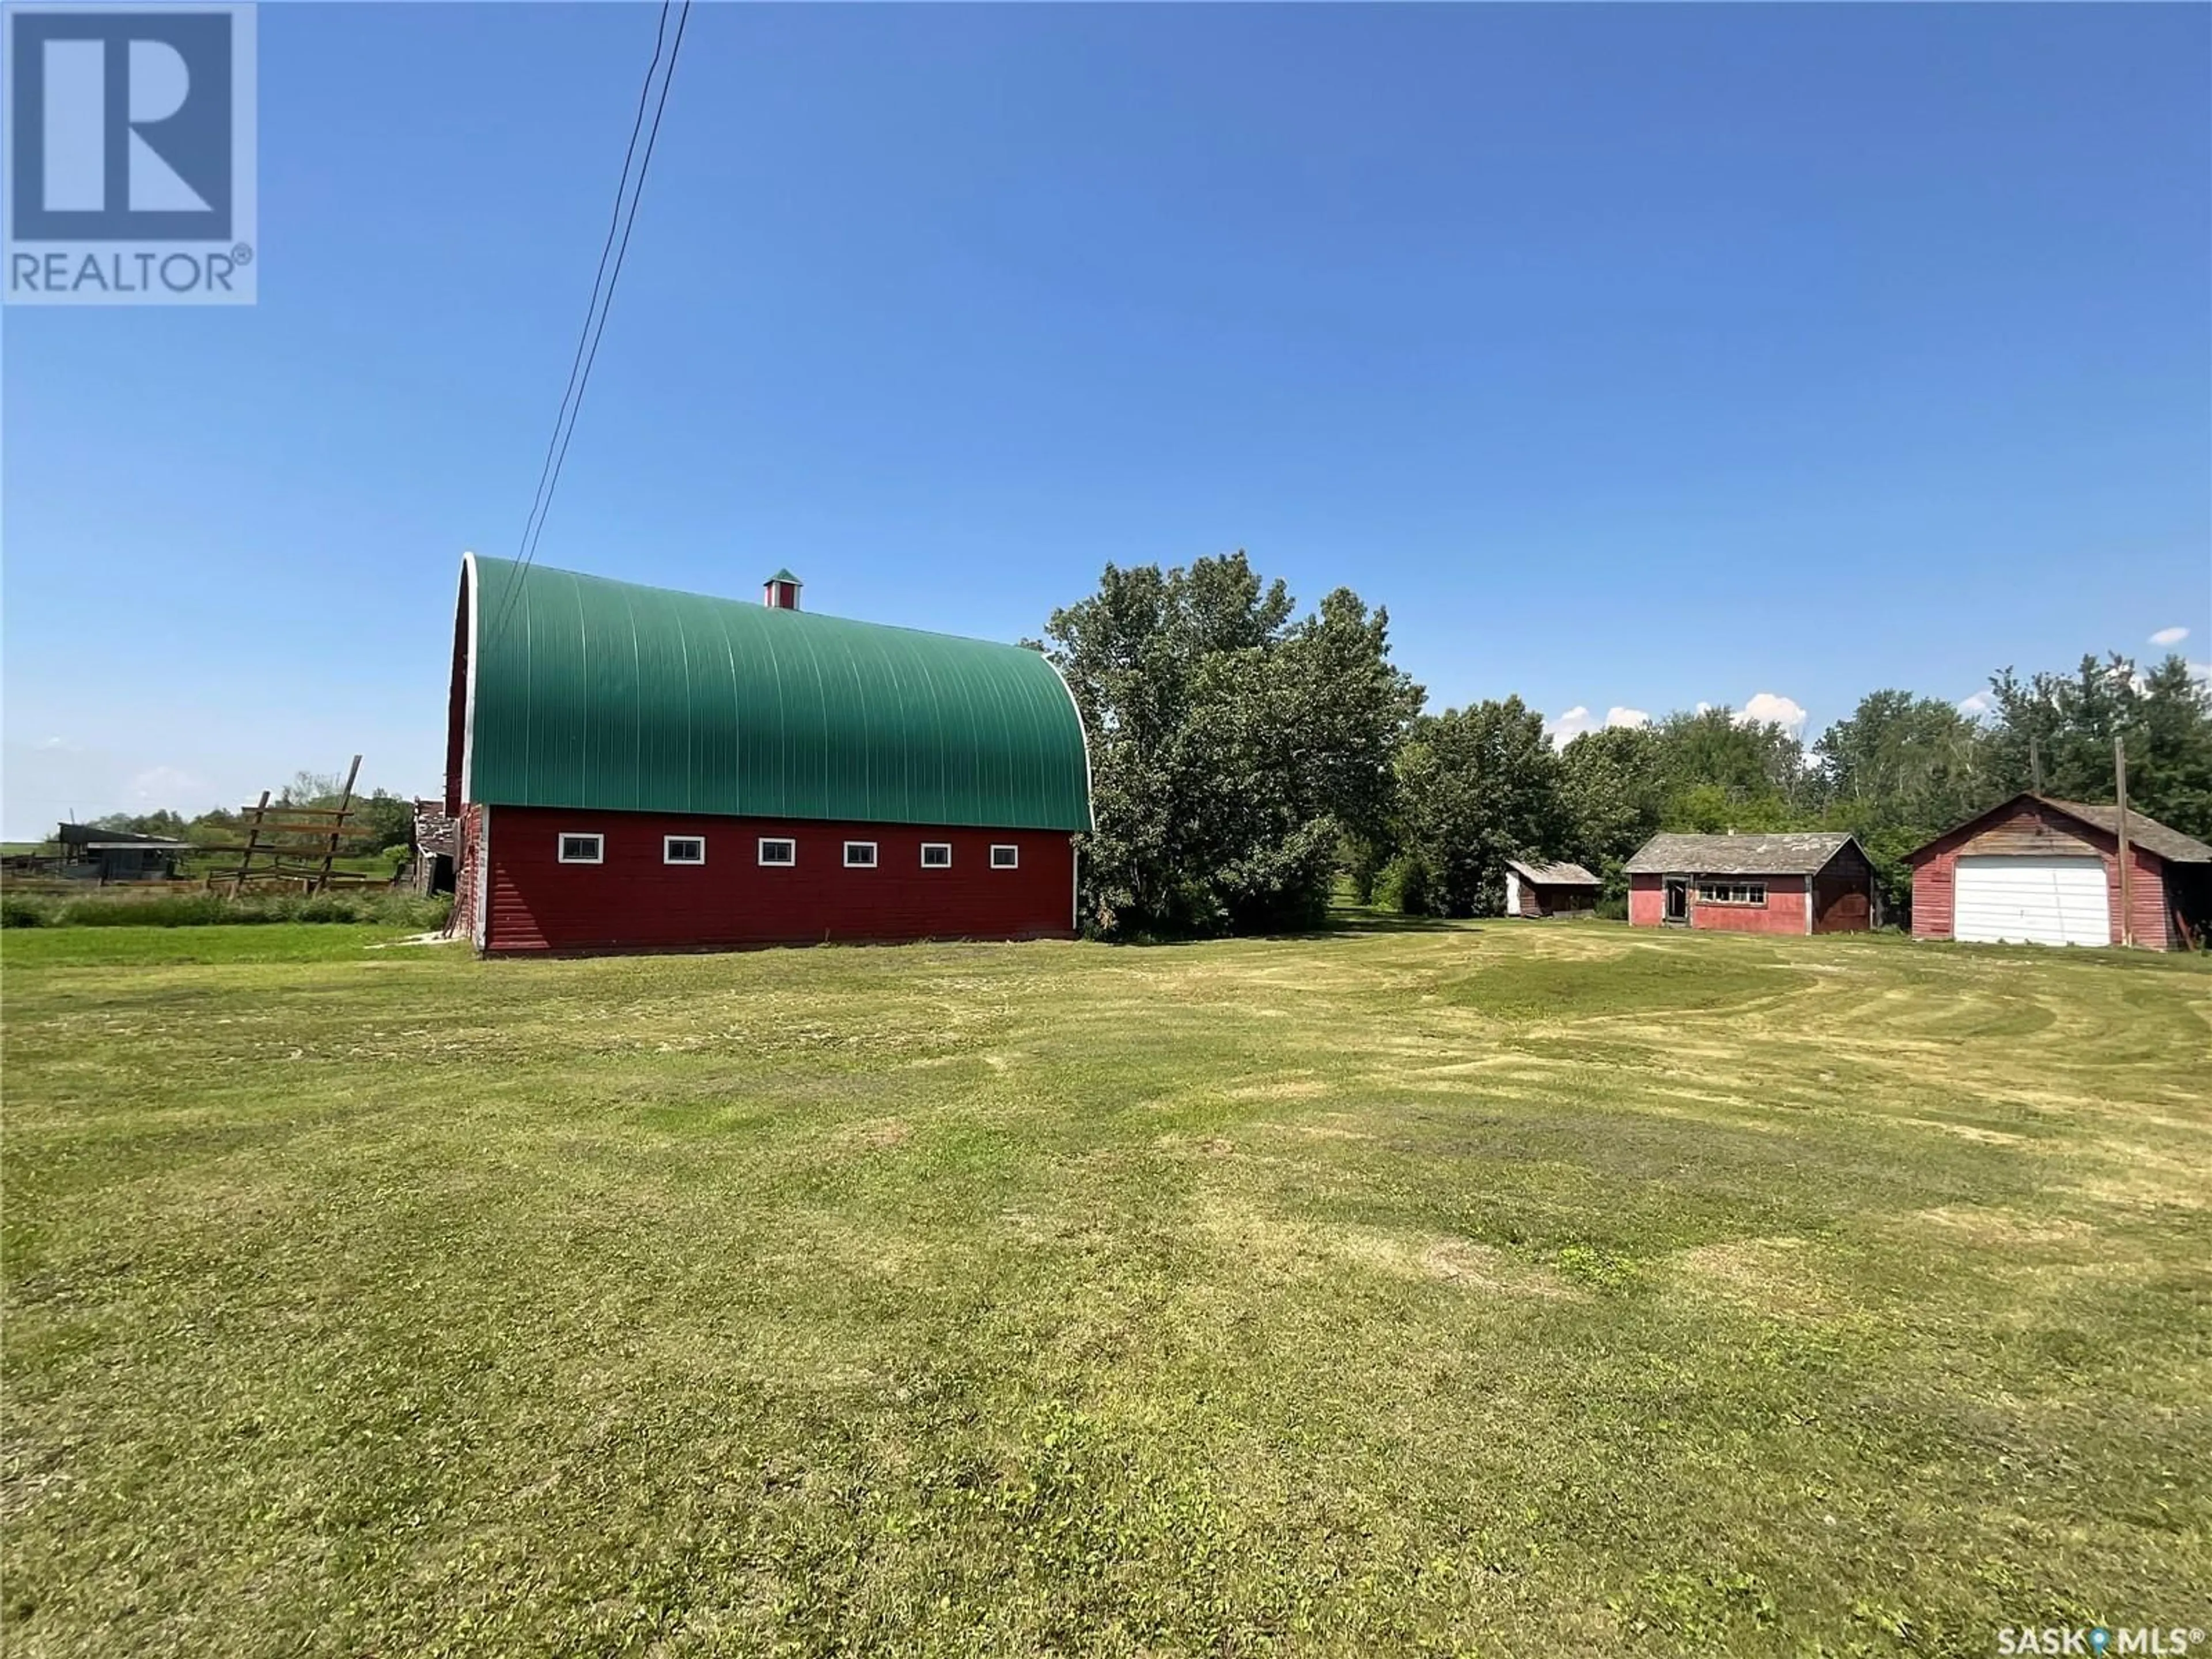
column 602, row 301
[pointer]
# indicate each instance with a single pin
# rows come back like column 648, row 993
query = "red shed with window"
column 1797, row 882
column 634, row 769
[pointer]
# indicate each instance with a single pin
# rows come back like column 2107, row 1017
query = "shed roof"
column 2169, row 844
column 1552, row 875
column 1791, row 854
column 92, row 837
column 597, row 695
column 2147, row 833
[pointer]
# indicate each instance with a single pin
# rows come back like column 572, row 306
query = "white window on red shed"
column 778, row 850
column 683, row 849
column 1005, row 857
column 582, row 849
column 1752, row 893
column 859, row 855
column 937, row 855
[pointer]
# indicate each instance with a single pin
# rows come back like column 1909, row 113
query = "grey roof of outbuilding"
column 1794, row 853
column 2147, row 833
column 109, row 841
column 1552, row 875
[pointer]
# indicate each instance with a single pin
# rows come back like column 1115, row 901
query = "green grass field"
column 1493, row 1288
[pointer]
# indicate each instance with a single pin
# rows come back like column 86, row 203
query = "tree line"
column 382, row 821
column 1246, row 759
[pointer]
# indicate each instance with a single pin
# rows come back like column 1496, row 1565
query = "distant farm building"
column 1548, row 890
column 1753, row 884
column 634, row 769
column 89, row 853
column 2036, row 871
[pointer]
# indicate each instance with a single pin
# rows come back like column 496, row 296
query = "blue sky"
column 1633, row 357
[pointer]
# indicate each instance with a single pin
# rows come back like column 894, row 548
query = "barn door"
column 1677, row 900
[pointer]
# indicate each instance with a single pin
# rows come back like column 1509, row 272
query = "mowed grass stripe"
column 1489, row 1289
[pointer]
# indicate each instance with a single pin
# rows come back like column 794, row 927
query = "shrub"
column 185, row 910
column 379, row 907
column 1406, row 886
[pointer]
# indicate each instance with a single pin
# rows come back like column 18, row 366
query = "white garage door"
column 2031, row 901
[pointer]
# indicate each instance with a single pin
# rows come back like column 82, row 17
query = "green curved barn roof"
column 600, row 694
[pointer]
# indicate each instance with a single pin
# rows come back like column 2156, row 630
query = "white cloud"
column 1977, row 704
column 1768, row 709
column 2169, row 636
column 1569, row 726
column 1564, row 728
column 1704, row 707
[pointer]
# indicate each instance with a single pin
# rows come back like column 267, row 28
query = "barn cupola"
column 780, row 592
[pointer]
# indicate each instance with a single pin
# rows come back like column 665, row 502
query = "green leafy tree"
column 162, row 822
column 1898, row 772
column 2068, row 723
column 1613, row 792
column 383, row 819
column 1722, row 772
column 1898, row 758
column 1231, row 746
column 1477, row 786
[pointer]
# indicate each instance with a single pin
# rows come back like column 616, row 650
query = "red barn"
column 1800, row 883
column 634, row 769
column 2036, row 871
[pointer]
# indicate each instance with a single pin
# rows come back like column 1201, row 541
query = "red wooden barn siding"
column 2033, row 829
column 1843, row 895
column 1539, row 899
column 636, row 901
column 1783, row 913
column 1647, row 901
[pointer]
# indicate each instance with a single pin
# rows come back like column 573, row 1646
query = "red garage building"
column 2036, row 871
column 1803, row 883
column 634, row 769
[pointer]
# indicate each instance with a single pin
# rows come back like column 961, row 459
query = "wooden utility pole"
column 2120, row 794
column 2034, row 764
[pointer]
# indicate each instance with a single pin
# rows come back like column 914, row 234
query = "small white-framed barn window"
column 1005, row 857
column 776, row 849
column 582, row 849
column 937, row 855
column 1732, row 892
column 683, row 849
column 859, row 855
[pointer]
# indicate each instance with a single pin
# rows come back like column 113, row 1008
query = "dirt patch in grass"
column 2004, row 1227
column 875, row 1135
column 1778, row 1276
column 1289, row 1088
